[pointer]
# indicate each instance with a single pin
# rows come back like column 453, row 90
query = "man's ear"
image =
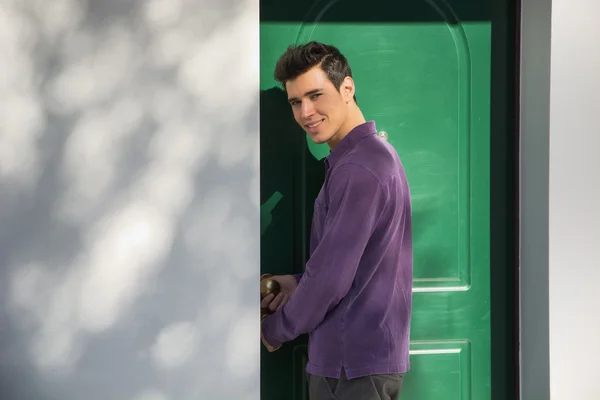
column 347, row 89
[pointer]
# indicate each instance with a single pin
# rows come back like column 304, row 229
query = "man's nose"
column 307, row 109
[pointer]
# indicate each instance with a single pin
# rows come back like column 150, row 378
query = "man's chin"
column 319, row 138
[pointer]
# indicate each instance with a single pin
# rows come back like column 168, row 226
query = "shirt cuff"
column 266, row 334
column 298, row 277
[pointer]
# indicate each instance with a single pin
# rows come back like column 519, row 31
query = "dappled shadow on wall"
column 124, row 164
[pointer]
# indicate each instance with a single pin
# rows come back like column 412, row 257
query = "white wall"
column 560, row 198
column 574, row 224
column 129, row 200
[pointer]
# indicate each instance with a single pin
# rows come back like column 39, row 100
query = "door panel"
column 424, row 77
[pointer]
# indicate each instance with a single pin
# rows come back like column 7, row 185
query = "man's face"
column 318, row 106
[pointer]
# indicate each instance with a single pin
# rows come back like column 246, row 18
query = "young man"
column 355, row 297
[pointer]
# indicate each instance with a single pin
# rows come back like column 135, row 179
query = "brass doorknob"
column 268, row 286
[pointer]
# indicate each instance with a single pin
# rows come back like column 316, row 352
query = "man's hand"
column 274, row 302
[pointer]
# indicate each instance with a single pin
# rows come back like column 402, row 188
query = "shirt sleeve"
column 356, row 202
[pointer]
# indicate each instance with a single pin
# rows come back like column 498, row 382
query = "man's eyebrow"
column 310, row 92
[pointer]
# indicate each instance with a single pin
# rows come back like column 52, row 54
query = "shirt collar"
column 349, row 141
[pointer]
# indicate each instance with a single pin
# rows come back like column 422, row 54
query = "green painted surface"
column 428, row 86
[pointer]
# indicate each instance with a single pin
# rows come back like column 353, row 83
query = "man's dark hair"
column 298, row 59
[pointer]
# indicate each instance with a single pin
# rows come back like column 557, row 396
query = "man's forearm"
column 314, row 297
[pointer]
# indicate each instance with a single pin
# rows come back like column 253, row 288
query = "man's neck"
column 355, row 119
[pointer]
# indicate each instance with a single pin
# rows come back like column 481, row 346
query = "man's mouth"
column 315, row 124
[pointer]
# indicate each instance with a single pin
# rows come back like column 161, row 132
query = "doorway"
column 437, row 77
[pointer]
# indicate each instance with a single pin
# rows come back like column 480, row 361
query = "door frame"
column 504, row 199
column 506, row 286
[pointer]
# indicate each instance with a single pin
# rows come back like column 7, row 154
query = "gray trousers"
column 374, row 387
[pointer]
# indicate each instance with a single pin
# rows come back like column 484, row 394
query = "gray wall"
column 129, row 206
column 560, row 263
column 534, row 128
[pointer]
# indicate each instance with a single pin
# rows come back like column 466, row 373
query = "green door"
column 422, row 70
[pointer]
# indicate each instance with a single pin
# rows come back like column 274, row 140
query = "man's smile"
column 314, row 124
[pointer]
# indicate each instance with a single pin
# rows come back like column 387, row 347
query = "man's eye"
column 314, row 96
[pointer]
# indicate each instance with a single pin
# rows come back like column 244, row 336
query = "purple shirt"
column 355, row 296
